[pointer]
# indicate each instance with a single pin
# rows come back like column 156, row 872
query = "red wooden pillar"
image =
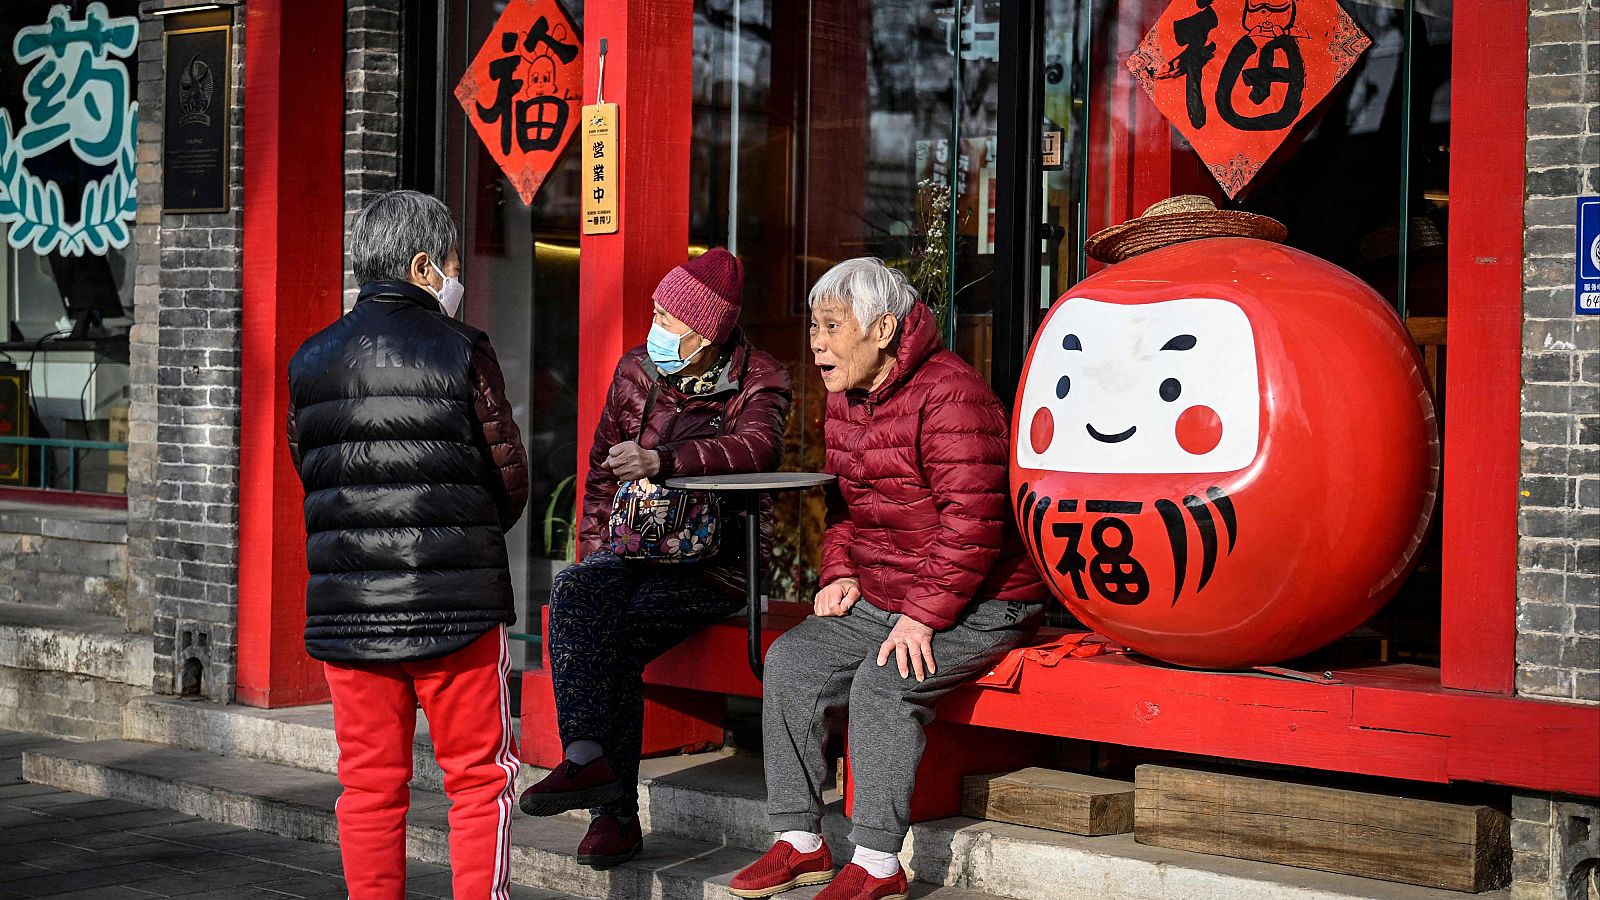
column 648, row 75
column 1482, row 435
column 293, row 259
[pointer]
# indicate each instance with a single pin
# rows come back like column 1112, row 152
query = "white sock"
column 877, row 863
column 803, row 841
column 584, row 752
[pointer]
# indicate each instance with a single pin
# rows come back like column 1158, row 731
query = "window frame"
column 1481, row 427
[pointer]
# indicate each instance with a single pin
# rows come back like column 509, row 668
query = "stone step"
column 298, row 803
column 719, row 799
column 47, row 553
column 298, row 736
column 712, row 797
column 69, row 673
column 44, row 637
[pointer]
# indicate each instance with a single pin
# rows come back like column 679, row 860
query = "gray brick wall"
column 1558, row 614
column 1555, row 848
column 372, row 109
column 142, row 472
column 67, row 560
column 184, row 424
column 184, row 465
column 1556, row 840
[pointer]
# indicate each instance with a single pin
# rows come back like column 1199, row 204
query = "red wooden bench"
column 683, row 712
column 1383, row 720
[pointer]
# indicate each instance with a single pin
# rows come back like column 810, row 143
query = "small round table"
column 750, row 489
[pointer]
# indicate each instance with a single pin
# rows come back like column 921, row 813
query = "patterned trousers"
column 608, row 619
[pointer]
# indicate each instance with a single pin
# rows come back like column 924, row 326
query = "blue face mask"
column 663, row 348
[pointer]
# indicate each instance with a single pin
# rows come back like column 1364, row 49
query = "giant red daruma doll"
column 1224, row 451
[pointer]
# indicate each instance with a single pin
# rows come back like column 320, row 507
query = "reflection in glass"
column 66, row 317
column 520, row 268
column 1339, row 181
column 832, row 129
column 1374, row 153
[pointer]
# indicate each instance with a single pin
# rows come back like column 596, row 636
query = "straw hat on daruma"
column 1189, row 217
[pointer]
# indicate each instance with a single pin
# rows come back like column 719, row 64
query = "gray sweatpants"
column 825, row 665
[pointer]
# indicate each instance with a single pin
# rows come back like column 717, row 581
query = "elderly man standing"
column 925, row 581
column 414, row 470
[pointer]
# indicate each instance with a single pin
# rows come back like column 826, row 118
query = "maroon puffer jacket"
column 736, row 428
column 922, row 463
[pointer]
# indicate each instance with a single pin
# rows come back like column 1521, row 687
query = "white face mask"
column 448, row 296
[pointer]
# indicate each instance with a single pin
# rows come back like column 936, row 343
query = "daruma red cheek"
column 1043, row 430
column 1199, row 430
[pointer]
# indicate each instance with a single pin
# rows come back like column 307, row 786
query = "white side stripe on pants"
column 509, row 761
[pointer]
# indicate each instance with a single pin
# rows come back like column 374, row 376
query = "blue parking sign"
column 1587, row 283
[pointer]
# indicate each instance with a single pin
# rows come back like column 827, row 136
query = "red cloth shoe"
column 854, row 883
column 783, row 867
column 610, row 842
column 571, row 786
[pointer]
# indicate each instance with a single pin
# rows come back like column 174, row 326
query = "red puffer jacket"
column 738, row 427
column 922, row 464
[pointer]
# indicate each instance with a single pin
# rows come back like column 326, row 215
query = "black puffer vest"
column 405, row 547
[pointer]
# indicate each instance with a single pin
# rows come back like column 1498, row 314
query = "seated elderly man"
column 925, row 582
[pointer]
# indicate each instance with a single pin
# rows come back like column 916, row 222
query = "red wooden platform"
column 1391, row 721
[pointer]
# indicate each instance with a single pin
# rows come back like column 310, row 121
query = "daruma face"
column 1224, row 453
column 1170, row 386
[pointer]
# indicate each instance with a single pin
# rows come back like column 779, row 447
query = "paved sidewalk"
column 58, row 845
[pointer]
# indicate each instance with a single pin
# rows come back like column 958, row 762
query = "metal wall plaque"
column 1587, row 278
column 197, row 110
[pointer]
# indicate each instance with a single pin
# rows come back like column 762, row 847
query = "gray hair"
column 393, row 229
column 868, row 286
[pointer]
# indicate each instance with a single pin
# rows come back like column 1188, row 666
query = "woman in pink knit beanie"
column 694, row 399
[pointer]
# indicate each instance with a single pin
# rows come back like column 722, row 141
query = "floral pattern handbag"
column 654, row 523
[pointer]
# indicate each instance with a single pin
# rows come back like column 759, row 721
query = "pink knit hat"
column 705, row 293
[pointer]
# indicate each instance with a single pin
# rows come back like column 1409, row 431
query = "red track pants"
column 464, row 697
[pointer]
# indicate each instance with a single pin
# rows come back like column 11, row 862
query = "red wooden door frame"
column 293, row 261
column 1389, row 720
column 293, row 234
column 1483, row 415
column 1482, row 421
column 1482, row 434
column 649, row 75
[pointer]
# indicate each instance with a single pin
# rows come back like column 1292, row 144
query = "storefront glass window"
column 830, row 129
column 1373, row 153
column 862, row 129
column 66, row 266
column 520, row 269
